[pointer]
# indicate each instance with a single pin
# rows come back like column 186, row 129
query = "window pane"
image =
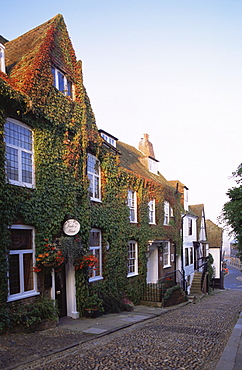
column 191, row 255
column 90, row 185
column 14, row 279
column 27, row 167
column 61, row 84
column 95, row 239
column 96, row 187
column 28, row 271
column 95, row 271
column 93, row 164
column 53, row 75
column 69, row 88
column 131, row 258
column 18, row 135
column 21, row 239
column 132, row 215
column 186, row 257
column 12, row 163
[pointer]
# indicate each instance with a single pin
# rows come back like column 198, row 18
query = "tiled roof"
column 25, row 46
column 31, row 55
column 214, row 234
column 129, row 160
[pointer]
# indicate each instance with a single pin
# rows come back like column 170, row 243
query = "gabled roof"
column 36, row 50
column 130, row 160
column 214, row 234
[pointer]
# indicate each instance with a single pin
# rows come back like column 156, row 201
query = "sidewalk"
column 231, row 358
column 106, row 324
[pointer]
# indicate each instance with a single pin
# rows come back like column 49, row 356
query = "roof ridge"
column 50, row 21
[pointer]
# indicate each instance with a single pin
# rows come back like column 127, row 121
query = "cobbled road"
column 191, row 337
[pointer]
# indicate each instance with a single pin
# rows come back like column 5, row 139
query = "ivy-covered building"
column 94, row 207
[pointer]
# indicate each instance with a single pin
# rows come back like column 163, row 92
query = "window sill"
column 132, row 275
column 166, row 266
column 96, row 278
column 96, row 200
column 16, row 297
column 133, row 222
column 23, row 184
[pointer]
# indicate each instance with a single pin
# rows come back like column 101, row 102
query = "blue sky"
column 172, row 69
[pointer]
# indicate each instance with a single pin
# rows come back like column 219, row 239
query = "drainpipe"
column 182, row 261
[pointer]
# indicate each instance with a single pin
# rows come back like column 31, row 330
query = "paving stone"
column 95, row 331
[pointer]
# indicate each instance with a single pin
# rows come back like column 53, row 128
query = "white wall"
column 215, row 252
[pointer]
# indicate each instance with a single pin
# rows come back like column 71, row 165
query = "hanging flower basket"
column 85, row 262
column 51, row 257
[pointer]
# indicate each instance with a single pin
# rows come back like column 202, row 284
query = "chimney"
column 146, row 147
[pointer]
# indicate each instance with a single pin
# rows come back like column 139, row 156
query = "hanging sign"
column 71, row 227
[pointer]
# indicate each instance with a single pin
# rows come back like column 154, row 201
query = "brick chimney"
column 146, row 147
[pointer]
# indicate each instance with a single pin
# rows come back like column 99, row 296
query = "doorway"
column 60, row 291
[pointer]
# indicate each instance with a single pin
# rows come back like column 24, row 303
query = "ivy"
column 64, row 132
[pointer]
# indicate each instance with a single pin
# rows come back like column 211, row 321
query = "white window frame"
column 94, row 178
column 132, row 204
column 23, row 294
column 132, row 258
column 2, row 58
column 108, row 139
column 166, row 254
column 20, row 151
column 93, row 250
column 153, row 166
column 166, row 212
column 151, row 206
column 55, row 71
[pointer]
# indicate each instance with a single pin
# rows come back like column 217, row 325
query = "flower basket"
column 91, row 312
column 51, row 257
column 50, row 264
column 89, row 261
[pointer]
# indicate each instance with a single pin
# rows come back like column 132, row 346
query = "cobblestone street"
column 191, row 337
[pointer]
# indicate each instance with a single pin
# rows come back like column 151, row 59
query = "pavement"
column 231, row 358
column 107, row 324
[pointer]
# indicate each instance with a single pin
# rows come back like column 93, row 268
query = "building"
column 67, row 188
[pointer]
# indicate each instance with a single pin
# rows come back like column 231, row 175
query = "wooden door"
column 60, row 291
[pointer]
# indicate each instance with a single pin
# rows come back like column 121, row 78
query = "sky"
column 169, row 68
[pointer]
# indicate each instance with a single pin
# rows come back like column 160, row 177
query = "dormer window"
column 153, row 165
column 108, row 138
column 2, row 58
column 62, row 83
